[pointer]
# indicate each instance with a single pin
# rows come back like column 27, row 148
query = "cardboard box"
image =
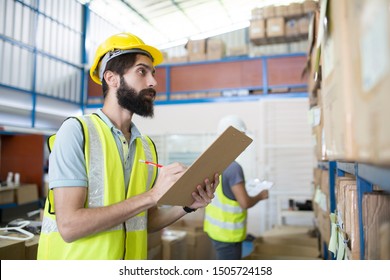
column 174, row 245
column 369, row 65
column 238, row 51
column 26, row 193
column 275, row 27
column 292, row 27
column 294, row 9
column 309, row 6
column 257, row 29
column 31, row 248
column 12, row 249
column 337, row 86
column 7, row 195
column 376, row 209
column 281, row 11
column 216, row 49
column 196, row 46
column 199, row 246
column 197, row 57
column 384, row 233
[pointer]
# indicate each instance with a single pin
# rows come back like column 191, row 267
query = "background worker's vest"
column 106, row 186
column 225, row 220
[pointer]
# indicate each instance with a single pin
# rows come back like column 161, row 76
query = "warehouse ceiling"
column 167, row 23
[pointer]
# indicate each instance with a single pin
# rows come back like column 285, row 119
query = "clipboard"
column 215, row 159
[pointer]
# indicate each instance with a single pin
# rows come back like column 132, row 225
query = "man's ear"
column 112, row 79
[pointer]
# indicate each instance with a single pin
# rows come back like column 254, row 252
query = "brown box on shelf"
column 384, row 240
column 281, row 11
column 257, row 29
column 216, row 49
column 292, row 27
column 309, row 6
column 369, row 71
column 303, row 25
column 337, row 86
column 178, row 59
column 275, row 27
column 197, row 57
column 269, row 11
column 294, row 9
column 7, row 195
column 257, row 13
column 238, row 51
column 26, row 193
column 376, row 209
column 196, row 46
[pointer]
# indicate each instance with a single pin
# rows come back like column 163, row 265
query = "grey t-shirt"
column 67, row 162
column 232, row 175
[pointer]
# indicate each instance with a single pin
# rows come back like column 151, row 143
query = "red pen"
column 151, row 163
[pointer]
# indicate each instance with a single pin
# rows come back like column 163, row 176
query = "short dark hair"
column 119, row 65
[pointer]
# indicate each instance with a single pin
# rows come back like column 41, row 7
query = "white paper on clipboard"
column 215, row 159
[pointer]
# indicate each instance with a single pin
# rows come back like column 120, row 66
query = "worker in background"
column 226, row 216
column 103, row 197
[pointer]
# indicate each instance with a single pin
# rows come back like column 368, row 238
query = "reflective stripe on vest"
column 225, row 220
column 102, row 158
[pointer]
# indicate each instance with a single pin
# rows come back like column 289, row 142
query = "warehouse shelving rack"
column 367, row 175
column 272, row 76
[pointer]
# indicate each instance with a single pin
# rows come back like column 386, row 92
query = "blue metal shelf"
column 367, row 176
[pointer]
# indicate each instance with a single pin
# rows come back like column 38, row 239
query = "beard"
column 140, row 103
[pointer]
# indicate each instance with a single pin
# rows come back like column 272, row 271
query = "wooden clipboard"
column 215, row 159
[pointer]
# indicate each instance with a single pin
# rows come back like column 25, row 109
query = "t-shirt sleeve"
column 234, row 174
column 66, row 160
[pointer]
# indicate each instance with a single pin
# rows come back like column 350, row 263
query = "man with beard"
column 102, row 199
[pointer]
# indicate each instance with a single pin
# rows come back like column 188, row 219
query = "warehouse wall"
column 282, row 151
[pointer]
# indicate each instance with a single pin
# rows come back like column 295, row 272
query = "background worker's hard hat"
column 125, row 42
column 231, row 120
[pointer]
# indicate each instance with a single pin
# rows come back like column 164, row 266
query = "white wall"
column 282, row 150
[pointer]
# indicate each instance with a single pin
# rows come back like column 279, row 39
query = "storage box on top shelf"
column 369, row 66
column 275, row 27
column 257, row 29
column 309, row 6
column 376, row 209
column 216, row 49
column 196, row 50
column 281, row 11
column 242, row 50
column 337, row 87
column 356, row 80
column 294, row 9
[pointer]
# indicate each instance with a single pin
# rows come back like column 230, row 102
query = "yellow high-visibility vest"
column 225, row 220
column 125, row 241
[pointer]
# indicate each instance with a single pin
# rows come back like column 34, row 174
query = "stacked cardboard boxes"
column 278, row 24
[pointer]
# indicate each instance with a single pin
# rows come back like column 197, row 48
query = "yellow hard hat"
column 119, row 44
